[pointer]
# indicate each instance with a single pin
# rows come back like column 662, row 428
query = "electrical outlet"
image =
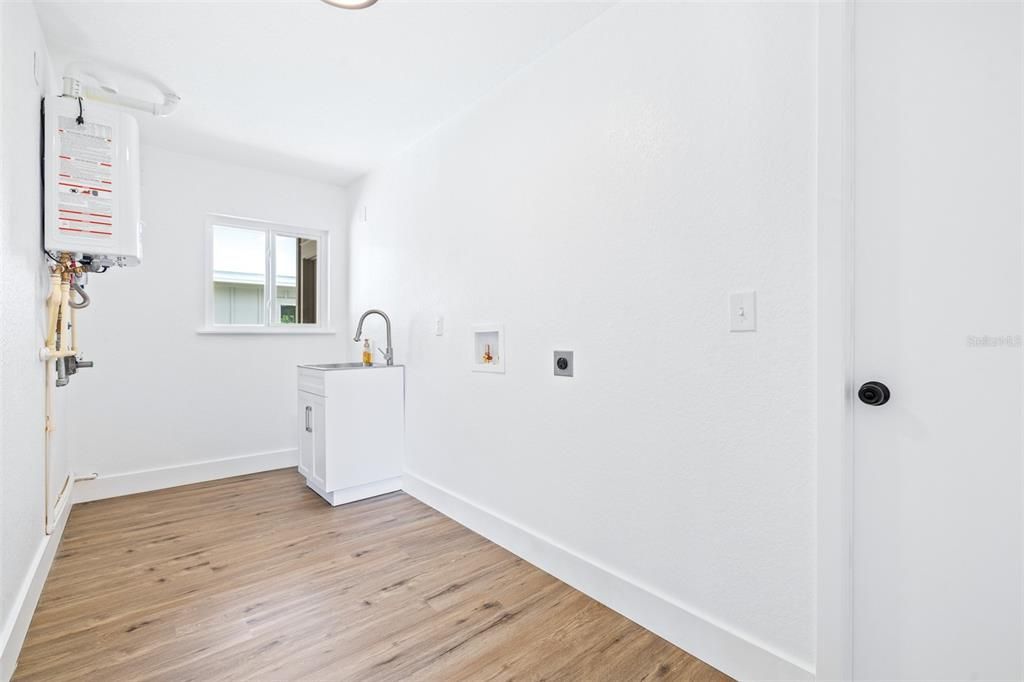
column 563, row 363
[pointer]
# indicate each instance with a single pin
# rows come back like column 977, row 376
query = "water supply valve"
column 72, row 364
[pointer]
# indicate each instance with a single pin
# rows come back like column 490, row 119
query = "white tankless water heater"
column 91, row 182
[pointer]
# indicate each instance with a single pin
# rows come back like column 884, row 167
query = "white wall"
column 608, row 199
column 24, row 79
column 162, row 396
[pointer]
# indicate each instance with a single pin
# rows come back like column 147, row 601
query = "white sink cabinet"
column 351, row 422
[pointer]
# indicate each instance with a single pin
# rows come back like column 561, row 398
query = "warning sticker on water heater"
column 85, row 182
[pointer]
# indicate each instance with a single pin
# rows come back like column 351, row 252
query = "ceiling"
column 302, row 87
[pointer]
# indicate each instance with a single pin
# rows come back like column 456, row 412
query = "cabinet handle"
column 309, row 414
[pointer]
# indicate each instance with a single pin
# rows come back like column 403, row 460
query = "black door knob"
column 874, row 393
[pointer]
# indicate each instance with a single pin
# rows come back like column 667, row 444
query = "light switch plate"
column 743, row 311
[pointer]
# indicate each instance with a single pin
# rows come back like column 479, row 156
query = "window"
column 263, row 277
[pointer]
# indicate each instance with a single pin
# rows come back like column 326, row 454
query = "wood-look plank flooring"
column 256, row 577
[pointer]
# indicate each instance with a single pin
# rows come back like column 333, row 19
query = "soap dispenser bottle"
column 367, row 353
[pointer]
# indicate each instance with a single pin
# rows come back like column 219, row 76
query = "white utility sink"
column 351, row 429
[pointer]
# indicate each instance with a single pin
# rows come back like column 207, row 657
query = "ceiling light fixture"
column 350, row 4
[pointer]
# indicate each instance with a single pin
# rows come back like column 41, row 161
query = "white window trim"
column 270, row 229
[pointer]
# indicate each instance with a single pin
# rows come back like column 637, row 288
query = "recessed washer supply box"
column 351, row 424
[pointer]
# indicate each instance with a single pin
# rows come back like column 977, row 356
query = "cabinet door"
column 318, row 441
column 312, row 438
column 306, row 442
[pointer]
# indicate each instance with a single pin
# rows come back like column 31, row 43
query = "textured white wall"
column 162, row 395
column 24, row 79
column 4, row 217
column 608, row 199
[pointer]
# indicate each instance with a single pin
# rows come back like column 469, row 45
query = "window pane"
column 239, row 275
column 295, row 261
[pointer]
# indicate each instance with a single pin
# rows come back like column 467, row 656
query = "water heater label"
column 85, row 197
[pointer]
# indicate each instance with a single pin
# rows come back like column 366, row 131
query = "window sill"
column 266, row 331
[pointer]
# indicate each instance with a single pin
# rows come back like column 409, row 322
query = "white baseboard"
column 713, row 643
column 131, row 482
column 24, row 605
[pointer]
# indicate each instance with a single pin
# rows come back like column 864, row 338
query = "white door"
column 937, row 577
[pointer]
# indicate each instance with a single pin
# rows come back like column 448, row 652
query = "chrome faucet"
column 389, row 354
